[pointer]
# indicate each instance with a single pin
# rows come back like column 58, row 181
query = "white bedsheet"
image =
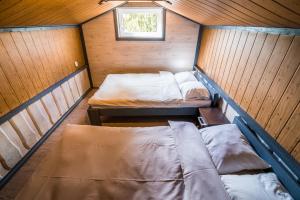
column 141, row 90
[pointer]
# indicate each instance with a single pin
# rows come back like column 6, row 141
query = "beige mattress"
column 89, row 162
column 142, row 90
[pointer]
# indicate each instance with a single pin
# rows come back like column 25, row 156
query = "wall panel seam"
column 274, row 78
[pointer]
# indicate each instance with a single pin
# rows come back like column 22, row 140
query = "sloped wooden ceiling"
column 273, row 13
column 50, row 12
column 266, row 13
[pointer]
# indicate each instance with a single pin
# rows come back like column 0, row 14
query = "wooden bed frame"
column 96, row 113
column 283, row 164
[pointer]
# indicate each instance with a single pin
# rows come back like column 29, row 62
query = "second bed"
column 148, row 94
column 175, row 162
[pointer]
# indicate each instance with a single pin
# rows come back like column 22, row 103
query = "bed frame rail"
column 96, row 113
column 284, row 171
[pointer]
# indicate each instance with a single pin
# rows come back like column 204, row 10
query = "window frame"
column 127, row 38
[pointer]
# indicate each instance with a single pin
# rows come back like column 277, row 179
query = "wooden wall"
column 21, row 132
column 261, row 72
column 32, row 61
column 106, row 55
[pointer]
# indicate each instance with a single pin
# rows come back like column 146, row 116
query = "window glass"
column 140, row 23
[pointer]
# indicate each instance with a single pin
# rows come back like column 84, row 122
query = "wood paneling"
column 261, row 73
column 32, row 61
column 46, row 12
column 279, row 13
column 51, row 107
column 25, row 129
column 268, row 13
column 106, row 55
column 60, row 100
column 67, row 94
column 20, row 133
column 291, row 130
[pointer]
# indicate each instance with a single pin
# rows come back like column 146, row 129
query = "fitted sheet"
column 90, row 162
column 142, row 90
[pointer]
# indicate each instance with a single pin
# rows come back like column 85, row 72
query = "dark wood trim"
column 36, row 28
column 282, row 31
column 139, row 39
column 85, row 56
column 164, row 23
column 198, row 46
column 95, row 113
column 115, row 24
column 270, row 156
column 281, row 153
column 12, row 172
column 94, row 116
column 212, row 116
column 21, row 107
column 118, row 38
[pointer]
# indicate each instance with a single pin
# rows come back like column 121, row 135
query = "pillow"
column 182, row 77
column 194, row 90
column 258, row 186
column 230, row 150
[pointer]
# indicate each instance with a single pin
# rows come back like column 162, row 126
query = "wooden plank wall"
column 20, row 133
column 261, row 73
column 106, row 55
column 32, row 61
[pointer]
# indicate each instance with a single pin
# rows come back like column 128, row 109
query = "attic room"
column 167, row 99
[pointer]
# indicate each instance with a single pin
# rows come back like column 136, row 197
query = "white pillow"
column 258, row 186
column 182, row 77
column 229, row 149
column 194, row 90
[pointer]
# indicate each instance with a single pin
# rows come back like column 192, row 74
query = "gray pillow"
column 229, row 149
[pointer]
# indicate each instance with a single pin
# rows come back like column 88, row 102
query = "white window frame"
column 122, row 35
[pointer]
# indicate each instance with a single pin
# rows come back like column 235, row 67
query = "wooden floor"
column 78, row 116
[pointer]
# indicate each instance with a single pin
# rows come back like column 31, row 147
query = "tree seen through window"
column 140, row 22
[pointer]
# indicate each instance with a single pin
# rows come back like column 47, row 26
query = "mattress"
column 90, row 162
column 142, row 90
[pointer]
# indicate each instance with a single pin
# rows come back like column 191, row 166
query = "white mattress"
column 142, row 90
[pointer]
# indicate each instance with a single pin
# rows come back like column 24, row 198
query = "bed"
column 148, row 94
column 93, row 162
column 164, row 162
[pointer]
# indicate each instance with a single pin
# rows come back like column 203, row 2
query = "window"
column 134, row 23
